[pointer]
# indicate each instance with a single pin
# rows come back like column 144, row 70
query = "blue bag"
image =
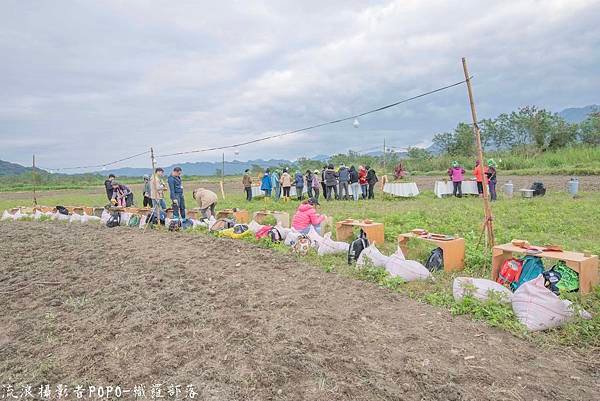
column 532, row 267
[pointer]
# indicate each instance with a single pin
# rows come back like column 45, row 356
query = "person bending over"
column 306, row 217
column 207, row 201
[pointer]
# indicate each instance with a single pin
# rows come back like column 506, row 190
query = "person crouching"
column 306, row 217
column 207, row 201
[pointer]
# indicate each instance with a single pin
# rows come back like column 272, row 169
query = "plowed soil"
column 97, row 306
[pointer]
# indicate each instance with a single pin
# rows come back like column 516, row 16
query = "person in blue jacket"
column 299, row 183
column 275, row 185
column 265, row 184
column 176, row 193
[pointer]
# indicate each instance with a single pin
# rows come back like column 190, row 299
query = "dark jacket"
column 372, row 177
column 344, row 174
column 175, row 187
column 330, row 177
column 353, row 175
column 109, row 190
column 491, row 174
column 299, row 179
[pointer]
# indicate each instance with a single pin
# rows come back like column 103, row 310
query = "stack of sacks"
column 75, row 218
column 408, row 270
column 328, row 246
column 60, row 216
column 7, row 216
column 538, row 308
column 479, row 288
column 372, row 255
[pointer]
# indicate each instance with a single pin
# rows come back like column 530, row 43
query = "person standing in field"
column 371, row 180
column 176, row 193
column 456, row 174
column 354, row 185
column 491, row 178
column 286, row 184
column 323, row 185
column 308, row 178
column 299, row 183
column 265, row 183
column 344, row 179
column 331, row 182
column 147, row 196
column 275, row 185
column 478, row 177
column 362, row 180
column 247, row 183
column 157, row 193
column 108, row 186
column 207, row 201
column 316, row 184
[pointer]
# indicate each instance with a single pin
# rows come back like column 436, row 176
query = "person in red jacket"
column 362, row 180
column 306, row 216
column 478, row 177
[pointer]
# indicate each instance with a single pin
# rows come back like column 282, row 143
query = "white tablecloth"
column 443, row 188
column 257, row 193
column 404, row 189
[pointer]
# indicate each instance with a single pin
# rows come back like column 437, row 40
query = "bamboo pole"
column 155, row 208
column 33, row 178
column 223, row 177
column 488, row 224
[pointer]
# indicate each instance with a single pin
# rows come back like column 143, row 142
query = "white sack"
column 283, row 231
column 373, row 256
column 315, row 237
column 408, row 270
column 18, row 215
column 252, row 226
column 125, row 218
column 291, row 237
column 538, row 308
column 479, row 288
column 75, row 218
column 37, row 215
column 94, row 219
column 329, row 246
column 60, row 217
column 105, row 216
column 7, row 216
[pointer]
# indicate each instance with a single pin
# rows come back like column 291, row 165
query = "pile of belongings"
column 396, row 264
column 532, row 292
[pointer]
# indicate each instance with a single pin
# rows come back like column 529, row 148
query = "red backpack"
column 510, row 272
column 263, row 232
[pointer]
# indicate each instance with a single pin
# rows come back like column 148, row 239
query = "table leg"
column 454, row 255
column 403, row 245
column 588, row 275
column 498, row 258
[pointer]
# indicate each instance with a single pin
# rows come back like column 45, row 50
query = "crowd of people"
column 341, row 184
column 456, row 173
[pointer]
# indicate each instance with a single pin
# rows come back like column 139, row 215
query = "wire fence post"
column 223, row 177
column 33, row 179
column 488, row 226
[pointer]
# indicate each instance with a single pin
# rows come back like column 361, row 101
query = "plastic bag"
column 328, row 246
column 254, row 226
column 7, row 216
column 479, row 288
column 372, row 255
column 125, row 218
column 538, row 308
column 408, row 270
column 282, row 230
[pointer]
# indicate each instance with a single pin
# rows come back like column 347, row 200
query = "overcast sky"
column 88, row 82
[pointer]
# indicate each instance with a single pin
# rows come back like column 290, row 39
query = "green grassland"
column 554, row 219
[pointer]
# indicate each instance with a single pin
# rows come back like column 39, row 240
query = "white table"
column 443, row 188
column 403, row 189
column 257, row 193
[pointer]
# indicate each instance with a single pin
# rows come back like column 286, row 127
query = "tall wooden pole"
column 33, row 178
column 488, row 223
column 384, row 156
column 223, row 177
column 156, row 207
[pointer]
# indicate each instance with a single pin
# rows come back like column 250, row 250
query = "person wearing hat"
column 176, row 193
column 491, row 178
column 108, row 186
column 315, row 183
column 456, row 174
column 147, row 190
column 207, row 201
column 306, row 217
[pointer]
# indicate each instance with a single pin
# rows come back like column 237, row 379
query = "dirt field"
column 97, row 306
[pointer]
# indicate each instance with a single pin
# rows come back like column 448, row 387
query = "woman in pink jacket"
column 306, row 216
column 456, row 174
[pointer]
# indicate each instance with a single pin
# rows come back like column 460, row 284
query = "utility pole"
column 156, row 206
column 488, row 225
column 223, row 177
column 33, row 178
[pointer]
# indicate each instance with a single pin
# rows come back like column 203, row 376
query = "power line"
column 339, row 120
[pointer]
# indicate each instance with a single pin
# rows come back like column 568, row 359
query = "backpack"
column 274, row 235
column 175, row 225
column 62, row 210
column 134, row 221
column 263, row 232
column 114, row 220
column 222, row 224
column 357, row 246
column 435, row 261
column 561, row 278
column 187, row 223
column 510, row 272
column 532, row 267
column 302, row 245
column 240, row 228
column 538, row 189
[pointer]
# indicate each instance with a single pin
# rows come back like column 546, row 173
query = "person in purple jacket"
column 456, row 174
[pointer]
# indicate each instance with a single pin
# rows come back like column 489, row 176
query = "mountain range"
column 572, row 115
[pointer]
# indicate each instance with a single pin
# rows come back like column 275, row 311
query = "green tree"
column 418, row 153
column 589, row 130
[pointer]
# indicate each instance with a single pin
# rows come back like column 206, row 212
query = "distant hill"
column 8, row 168
column 578, row 114
column 199, row 168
